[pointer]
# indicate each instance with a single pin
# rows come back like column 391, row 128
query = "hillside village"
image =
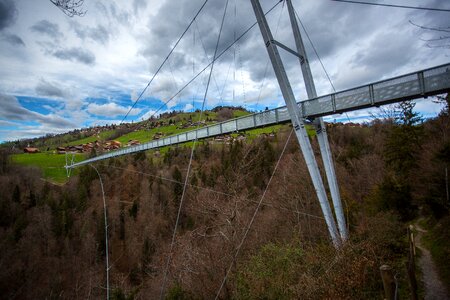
column 180, row 120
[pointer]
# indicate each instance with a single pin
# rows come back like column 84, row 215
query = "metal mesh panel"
column 244, row 123
column 182, row 137
column 214, row 130
column 283, row 114
column 437, row 79
column 229, row 126
column 260, row 119
column 191, row 135
column 266, row 117
column 202, row 132
column 352, row 98
column 396, row 88
column 174, row 139
column 317, row 106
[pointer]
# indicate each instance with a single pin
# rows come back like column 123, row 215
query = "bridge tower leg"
column 297, row 121
column 320, row 126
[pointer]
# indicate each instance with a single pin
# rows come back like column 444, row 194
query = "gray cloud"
column 121, row 16
column 98, row 34
column 12, row 110
column 361, row 37
column 45, row 88
column 110, row 109
column 8, row 13
column 13, row 39
column 139, row 5
column 47, row 28
column 76, row 54
column 7, row 123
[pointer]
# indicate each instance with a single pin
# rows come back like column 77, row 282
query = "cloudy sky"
column 59, row 73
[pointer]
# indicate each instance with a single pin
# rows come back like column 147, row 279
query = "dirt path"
column 434, row 288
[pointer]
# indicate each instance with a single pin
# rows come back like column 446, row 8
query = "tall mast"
column 320, row 126
column 297, row 121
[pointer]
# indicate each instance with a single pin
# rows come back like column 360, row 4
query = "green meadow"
column 52, row 165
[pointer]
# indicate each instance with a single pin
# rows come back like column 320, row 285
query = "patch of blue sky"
column 117, row 98
column 95, row 100
column 30, row 123
column 150, row 102
column 40, row 105
column 257, row 107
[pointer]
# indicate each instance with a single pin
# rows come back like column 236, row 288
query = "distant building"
column 133, row 143
column 30, row 150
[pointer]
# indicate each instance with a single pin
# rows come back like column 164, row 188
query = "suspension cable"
column 191, row 158
column 206, row 54
column 207, row 66
column 106, row 232
column 165, row 60
column 268, row 60
column 394, row 5
column 318, row 56
column 253, row 217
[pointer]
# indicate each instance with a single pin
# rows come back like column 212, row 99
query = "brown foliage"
column 44, row 257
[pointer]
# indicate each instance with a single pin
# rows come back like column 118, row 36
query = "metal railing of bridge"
column 415, row 85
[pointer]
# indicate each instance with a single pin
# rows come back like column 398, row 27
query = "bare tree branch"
column 70, row 7
column 443, row 29
column 436, row 39
column 438, row 46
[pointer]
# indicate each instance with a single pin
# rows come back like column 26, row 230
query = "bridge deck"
column 415, row 85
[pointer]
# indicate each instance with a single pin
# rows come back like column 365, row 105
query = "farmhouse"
column 30, row 150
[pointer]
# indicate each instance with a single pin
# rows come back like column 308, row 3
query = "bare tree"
column 70, row 7
column 440, row 41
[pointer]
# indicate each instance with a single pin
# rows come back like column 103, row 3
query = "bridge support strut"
column 298, row 123
column 322, row 137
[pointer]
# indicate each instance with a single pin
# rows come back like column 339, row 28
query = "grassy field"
column 252, row 133
column 195, row 116
column 102, row 136
column 147, row 135
column 240, row 113
column 52, row 165
column 258, row 131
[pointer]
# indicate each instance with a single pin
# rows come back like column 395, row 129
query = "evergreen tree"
column 32, row 199
column 177, row 186
column 122, row 224
column 148, row 250
column 403, row 142
column 400, row 155
column 16, row 194
column 134, row 210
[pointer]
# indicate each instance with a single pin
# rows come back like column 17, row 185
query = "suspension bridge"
column 416, row 85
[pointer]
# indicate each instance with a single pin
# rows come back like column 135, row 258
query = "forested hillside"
column 391, row 172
